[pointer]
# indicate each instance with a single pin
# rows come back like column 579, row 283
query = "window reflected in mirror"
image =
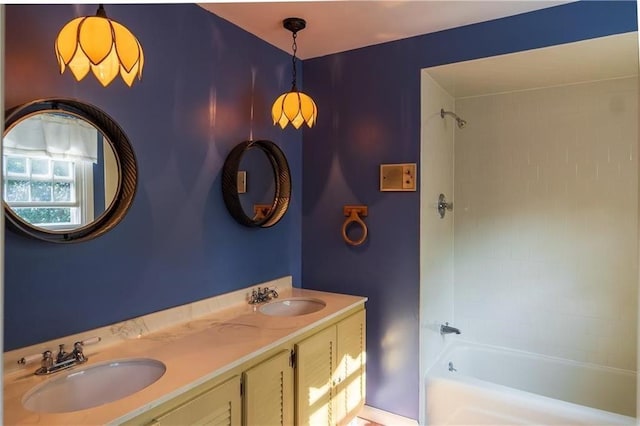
column 59, row 173
column 69, row 171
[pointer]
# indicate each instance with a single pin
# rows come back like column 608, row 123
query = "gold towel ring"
column 354, row 214
column 260, row 211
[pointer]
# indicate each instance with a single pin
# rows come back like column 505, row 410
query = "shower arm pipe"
column 461, row 123
column 451, row 113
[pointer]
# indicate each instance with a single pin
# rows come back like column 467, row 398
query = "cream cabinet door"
column 315, row 363
column 349, row 376
column 268, row 392
column 219, row 406
column 330, row 373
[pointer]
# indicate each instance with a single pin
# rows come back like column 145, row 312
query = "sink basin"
column 93, row 385
column 292, row 307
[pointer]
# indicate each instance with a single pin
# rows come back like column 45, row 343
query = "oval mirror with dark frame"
column 256, row 183
column 69, row 171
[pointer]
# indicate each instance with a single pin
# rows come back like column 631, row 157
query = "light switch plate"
column 398, row 177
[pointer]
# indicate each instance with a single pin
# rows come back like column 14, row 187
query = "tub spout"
column 447, row 329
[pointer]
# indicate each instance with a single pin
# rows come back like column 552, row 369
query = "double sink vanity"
column 283, row 356
column 295, row 359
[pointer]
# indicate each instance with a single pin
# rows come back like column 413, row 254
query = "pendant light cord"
column 293, row 60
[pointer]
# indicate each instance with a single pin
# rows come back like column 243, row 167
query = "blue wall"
column 178, row 243
column 369, row 113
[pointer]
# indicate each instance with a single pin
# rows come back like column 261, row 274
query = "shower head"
column 459, row 121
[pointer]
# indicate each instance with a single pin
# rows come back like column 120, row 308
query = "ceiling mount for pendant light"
column 101, row 45
column 294, row 106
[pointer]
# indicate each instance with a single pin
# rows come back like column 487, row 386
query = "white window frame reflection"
column 81, row 189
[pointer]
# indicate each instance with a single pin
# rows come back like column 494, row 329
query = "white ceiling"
column 338, row 25
column 590, row 60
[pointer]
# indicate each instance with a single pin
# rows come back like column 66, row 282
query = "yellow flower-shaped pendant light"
column 294, row 106
column 101, row 45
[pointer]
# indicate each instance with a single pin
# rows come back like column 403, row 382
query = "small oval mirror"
column 69, row 170
column 256, row 183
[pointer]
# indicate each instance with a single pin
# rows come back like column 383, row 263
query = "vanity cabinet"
column 317, row 378
column 218, row 406
column 350, row 375
column 268, row 392
column 330, row 373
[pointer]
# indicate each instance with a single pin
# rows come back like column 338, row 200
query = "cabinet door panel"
column 350, row 372
column 314, row 371
column 219, row 406
column 268, row 392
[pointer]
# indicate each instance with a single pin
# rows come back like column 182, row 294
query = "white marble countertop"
column 193, row 353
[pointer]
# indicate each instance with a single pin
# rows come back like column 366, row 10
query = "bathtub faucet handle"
column 447, row 329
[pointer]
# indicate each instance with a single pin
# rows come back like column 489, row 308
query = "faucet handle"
column 91, row 341
column 272, row 293
column 31, row 358
column 78, row 353
column 47, row 360
column 78, row 348
column 253, row 299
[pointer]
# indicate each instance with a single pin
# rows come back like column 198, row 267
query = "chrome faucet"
column 447, row 329
column 63, row 359
column 76, row 354
column 262, row 295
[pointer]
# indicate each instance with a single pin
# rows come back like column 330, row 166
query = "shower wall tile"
column 545, row 229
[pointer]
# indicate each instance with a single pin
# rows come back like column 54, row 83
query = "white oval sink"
column 292, row 306
column 92, row 386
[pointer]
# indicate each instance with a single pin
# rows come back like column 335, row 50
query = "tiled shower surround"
column 546, row 221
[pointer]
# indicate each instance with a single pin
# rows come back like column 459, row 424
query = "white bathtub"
column 500, row 386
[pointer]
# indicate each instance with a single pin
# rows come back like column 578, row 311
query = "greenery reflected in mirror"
column 256, row 183
column 69, row 171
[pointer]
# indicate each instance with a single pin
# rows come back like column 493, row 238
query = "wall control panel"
column 398, row 177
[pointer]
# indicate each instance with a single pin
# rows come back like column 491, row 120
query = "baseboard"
column 385, row 418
